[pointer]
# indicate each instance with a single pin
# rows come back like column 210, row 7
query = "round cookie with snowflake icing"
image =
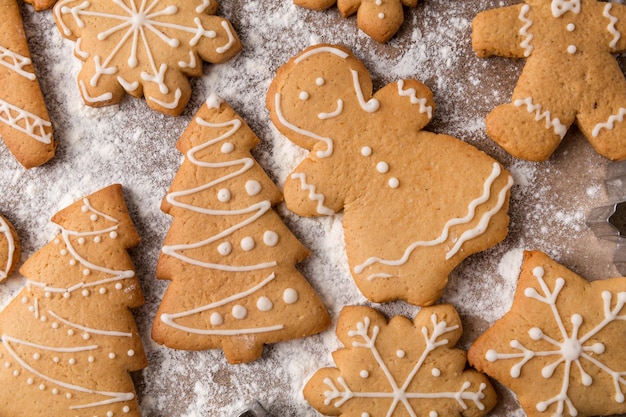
column 144, row 47
column 561, row 346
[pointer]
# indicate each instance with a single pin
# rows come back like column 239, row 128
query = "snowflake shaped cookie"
column 144, row 47
column 561, row 348
column 400, row 368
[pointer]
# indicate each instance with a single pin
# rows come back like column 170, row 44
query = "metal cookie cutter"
column 253, row 409
column 609, row 221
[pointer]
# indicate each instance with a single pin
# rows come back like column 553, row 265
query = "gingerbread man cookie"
column 144, row 48
column 569, row 78
column 380, row 19
column 400, row 368
column 561, row 348
column 416, row 203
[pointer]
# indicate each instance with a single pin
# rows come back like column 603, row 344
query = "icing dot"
column 571, row 49
column 216, row 319
column 253, row 187
column 131, row 353
column 63, row 252
column 394, row 182
column 379, row 2
column 264, row 304
column 102, row 290
column 126, row 409
column 84, row 209
column 55, row 359
column 113, row 235
column 85, row 293
column 47, row 294
column 304, row 95
column 110, row 414
column 93, row 217
column 36, row 356
column 29, row 381
column 70, row 332
column 55, row 391
column 66, row 295
column 400, row 353
column 240, row 312
column 55, row 325
column 364, row 374
column 86, row 336
column 366, row 151
column 91, row 359
column 16, row 373
column 81, row 240
column 7, row 364
column 365, row 414
column 227, row 147
column 225, row 248
column 435, row 372
column 248, row 243
column 223, row 195
column 381, row 15
column 24, row 300
column 382, row 167
column 31, row 309
column 270, row 238
column 112, row 355
column 68, row 395
column 290, row 296
column 433, row 414
column 97, row 239
column 319, row 81
column 86, row 272
column 118, row 286
column 72, row 361
column 57, row 241
column 571, row 27
column 43, row 318
column 72, row 262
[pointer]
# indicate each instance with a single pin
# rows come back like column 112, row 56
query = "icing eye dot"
column 216, row 319
column 319, row 81
column 227, row 147
column 47, row 294
column 393, row 182
column 223, row 195
column 264, row 304
column 382, row 167
column 240, row 312
column 225, row 248
column 248, row 243
column 270, row 238
column 571, row 49
column 290, row 296
column 571, row 27
column 253, row 187
column 304, row 96
column 381, row 15
column 366, row 151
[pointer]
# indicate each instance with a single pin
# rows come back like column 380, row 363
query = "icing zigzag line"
column 414, row 100
column 554, row 123
column 611, row 26
column 31, row 121
column 610, row 123
column 528, row 48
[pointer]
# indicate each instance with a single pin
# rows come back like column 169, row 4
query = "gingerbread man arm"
column 501, row 32
column 616, row 26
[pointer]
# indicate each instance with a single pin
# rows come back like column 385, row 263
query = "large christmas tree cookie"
column 9, row 248
column 570, row 76
column 562, row 346
column 230, row 258
column 400, row 368
column 68, row 339
column 144, row 48
column 416, row 203
column 24, row 121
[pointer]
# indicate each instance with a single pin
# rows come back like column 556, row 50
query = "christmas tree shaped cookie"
column 400, row 368
column 380, row 19
column 24, row 121
column 68, row 339
column 562, row 346
column 569, row 78
column 415, row 203
column 9, row 248
column 144, row 48
column 228, row 254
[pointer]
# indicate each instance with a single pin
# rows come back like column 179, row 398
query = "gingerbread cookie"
column 144, row 48
column 41, row 4
column 416, row 203
column 400, row 368
column 561, row 346
column 24, row 121
column 9, row 248
column 230, row 258
column 569, row 78
column 380, row 19
column 68, row 340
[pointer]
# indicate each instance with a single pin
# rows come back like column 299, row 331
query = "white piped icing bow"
column 560, row 7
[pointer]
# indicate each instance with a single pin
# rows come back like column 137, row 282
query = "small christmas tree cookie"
column 24, row 121
column 561, row 348
column 68, row 340
column 400, row 368
column 228, row 254
column 569, row 78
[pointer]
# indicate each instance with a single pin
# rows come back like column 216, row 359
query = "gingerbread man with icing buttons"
column 415, row 203
column 570, row 76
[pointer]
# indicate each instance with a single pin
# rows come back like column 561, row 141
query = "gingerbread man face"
column 416, row 204
column 570, row 75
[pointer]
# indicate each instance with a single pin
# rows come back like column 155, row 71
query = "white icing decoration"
column 364, row 374
column 319, row 50
column 192, row 61
column 611, row 26
column 369, row 106
column 572, row 27
column 6, row 232
column 270, row 238
column 227, row 148
column 467, row 235
column 313, row 195
column 239, row 312
column 201, row 8
column 381, row 15
column 571, row 49
column 216, row 319
column 90, row 329
column 264, row 304
column 90, row 99
column 225, row 248
column 366, row 151
column 560, row 7
column 528, row 37
column 393, row 182
column 290, row 296
column 253, row 187
column 248, row 243
column 382, row 167
column 223, row 195
column 304, row 95
column 364, row 337
column 435, row 372
column 610, row 123
column 171, row 105
column 569, row 348
column 319, row 81
column 334, row 113
column 559, row 128
column 231, row 39
column 16, row 62
column 400, row 353
column 35, row 126
column 214, row 101
column 411, row 93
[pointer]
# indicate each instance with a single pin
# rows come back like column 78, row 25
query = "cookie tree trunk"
column 69, row 339
column 228, row 254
